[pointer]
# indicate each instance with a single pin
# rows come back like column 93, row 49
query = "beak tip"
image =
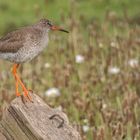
column 64, row 30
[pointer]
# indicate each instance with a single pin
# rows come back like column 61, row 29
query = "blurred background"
column 92, row 73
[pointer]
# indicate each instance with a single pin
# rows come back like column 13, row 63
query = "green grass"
column 18, row 13
column 90, row 95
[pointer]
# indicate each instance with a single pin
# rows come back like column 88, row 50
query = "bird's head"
column 45, row 23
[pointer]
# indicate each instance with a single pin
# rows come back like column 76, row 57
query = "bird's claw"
column 30, row 90
column 17, row 94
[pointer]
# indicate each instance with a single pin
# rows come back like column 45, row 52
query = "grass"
column 93, row 97
column 19, row 13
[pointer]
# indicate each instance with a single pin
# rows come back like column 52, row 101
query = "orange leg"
column 14, row 71
column 18, row 81
column 17, row 93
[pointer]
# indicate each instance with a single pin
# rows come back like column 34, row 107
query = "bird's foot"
column 17, row 94
column 26, row 94
column 30, row 90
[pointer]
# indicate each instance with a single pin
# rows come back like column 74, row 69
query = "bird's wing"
column 15, row 40
column 12, row 42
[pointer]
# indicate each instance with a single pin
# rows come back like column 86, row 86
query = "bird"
column 23, row 45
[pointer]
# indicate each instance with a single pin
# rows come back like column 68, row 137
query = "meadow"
column 92, row 73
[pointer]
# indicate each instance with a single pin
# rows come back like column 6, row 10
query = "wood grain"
column 31, row 121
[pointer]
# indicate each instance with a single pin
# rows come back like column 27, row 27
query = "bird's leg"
column 18, row 80
column 17, row 92
column 26, row 94
column 14, row 71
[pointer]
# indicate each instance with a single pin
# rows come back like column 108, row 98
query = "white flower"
column 104, row 106
column 79, row 58
column 52, row 92
column 114, row 70
column 114, row 44
column 85, row 121
column 100, row 45
column 85, row 128
column 133, row 63
column 47, row 65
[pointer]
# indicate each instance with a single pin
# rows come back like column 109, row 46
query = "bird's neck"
column 43, row 29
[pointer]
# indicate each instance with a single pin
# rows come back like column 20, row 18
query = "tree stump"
column 35, row 121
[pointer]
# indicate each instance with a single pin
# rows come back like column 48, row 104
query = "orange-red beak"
column 56, row 28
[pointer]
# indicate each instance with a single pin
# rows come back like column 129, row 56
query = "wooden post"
column 35, row 121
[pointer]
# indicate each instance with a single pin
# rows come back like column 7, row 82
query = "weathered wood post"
column 35, row 121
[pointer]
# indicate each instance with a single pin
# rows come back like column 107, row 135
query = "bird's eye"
column 49, row 23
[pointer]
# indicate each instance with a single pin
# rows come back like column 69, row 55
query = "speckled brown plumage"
column 24, row 44
column 13, row 41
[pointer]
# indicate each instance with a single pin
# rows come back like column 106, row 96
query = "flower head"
column 114, row 70
column 47, row 65
column 79, row 58
column 133, row 63
column 52, row 92
column 85, row 128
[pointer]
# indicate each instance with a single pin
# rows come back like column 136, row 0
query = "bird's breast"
column 30, row 50
column 34, row 48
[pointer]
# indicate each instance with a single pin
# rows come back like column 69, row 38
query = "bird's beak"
column 56, row 28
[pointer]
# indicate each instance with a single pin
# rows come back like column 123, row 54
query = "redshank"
column 25, row 44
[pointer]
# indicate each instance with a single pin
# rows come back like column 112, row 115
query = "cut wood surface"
column 35, row 121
